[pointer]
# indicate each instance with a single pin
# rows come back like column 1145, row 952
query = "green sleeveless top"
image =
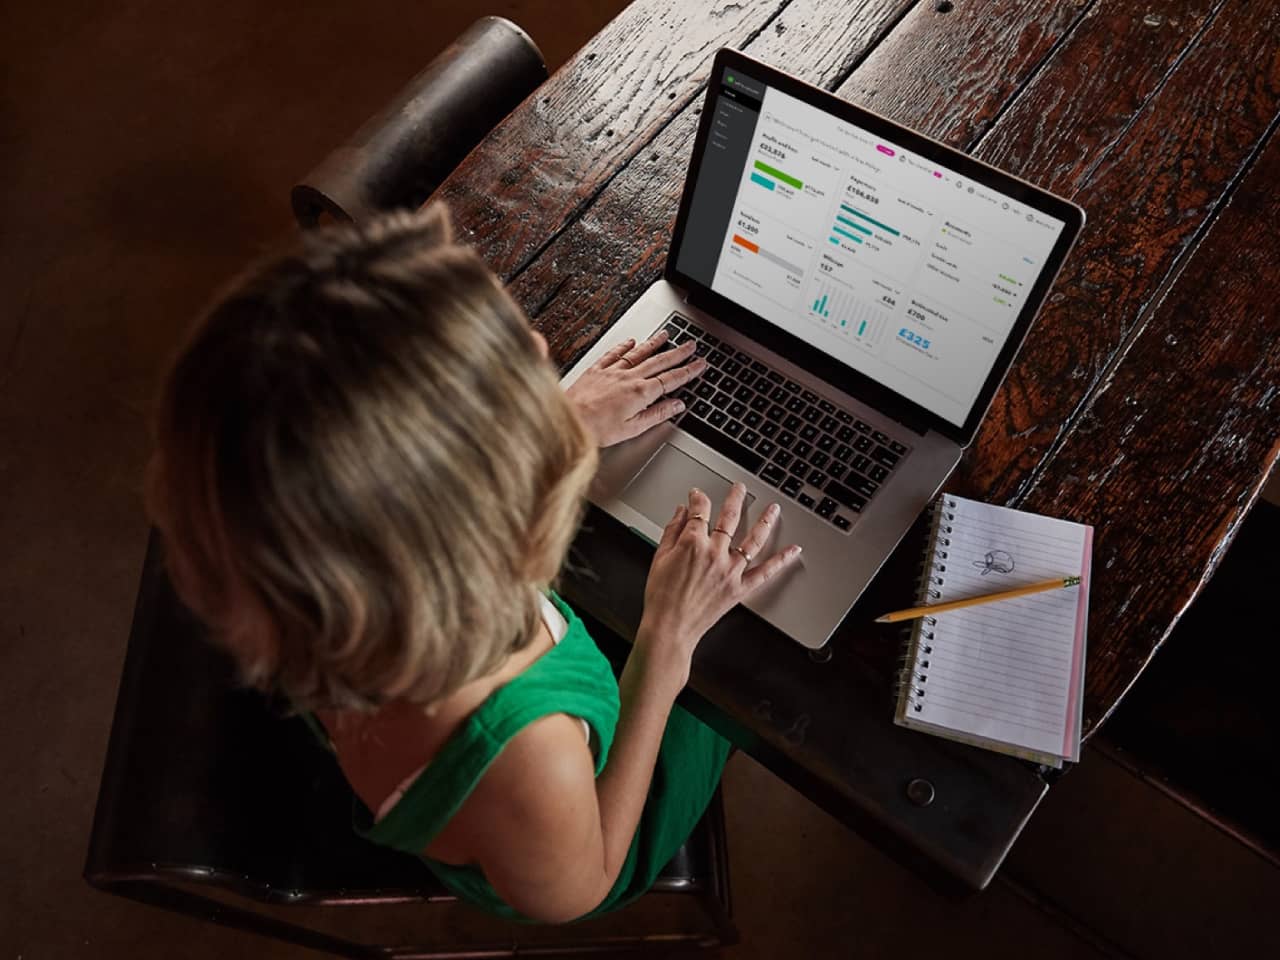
column 573, row 677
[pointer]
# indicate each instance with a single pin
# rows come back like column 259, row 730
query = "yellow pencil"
column 1057, row 583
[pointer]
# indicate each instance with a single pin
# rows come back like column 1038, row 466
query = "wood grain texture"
column 1146, row 196
column 530, row 176
column 1168, row 456
column 604, row 260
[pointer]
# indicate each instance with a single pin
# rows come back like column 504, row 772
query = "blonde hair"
column 365, row 469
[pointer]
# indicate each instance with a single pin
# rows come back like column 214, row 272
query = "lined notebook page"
column 1010, row 671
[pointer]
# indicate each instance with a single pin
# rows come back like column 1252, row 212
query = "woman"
column 367, row 479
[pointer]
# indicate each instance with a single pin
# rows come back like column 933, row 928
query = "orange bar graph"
column 743, row 242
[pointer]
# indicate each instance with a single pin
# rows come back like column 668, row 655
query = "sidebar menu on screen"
column 733, row 126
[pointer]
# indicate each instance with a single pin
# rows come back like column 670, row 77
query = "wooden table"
column 1145, row 401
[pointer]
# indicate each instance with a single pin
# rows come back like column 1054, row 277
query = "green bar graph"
column 845, row 233
column 820, row 306
column 778, row 174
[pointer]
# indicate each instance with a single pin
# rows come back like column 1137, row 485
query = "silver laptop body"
column 805, row 299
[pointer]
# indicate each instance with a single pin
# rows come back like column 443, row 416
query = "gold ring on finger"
column 625, row 359
column 745, row 556
column 698, row 516
column 724, row 531
column 658, row 377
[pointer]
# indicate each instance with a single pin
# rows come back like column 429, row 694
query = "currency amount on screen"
column 910, row 336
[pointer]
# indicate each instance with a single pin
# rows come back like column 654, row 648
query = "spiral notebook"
column 1007, row 676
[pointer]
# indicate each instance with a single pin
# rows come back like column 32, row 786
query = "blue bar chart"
column 839, row 309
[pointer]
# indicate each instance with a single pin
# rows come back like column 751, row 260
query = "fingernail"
column 678, row 406
column 774, row 509
column 696, row 491
column 794, row 550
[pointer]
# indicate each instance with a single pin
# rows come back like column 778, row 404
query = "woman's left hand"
column 625, row 392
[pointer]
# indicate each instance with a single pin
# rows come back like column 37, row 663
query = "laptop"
column 859, row 292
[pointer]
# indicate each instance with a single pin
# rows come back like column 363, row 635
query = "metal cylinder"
column 403, row 152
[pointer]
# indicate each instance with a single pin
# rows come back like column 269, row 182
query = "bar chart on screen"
column 839, row 309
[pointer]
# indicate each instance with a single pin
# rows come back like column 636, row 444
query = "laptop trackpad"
column 665, row 482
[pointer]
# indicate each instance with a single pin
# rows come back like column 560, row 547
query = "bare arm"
column 549, row 837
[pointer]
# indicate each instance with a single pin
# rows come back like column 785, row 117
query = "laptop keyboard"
column 821, row 456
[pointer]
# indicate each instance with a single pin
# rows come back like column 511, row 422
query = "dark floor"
column 147, row 151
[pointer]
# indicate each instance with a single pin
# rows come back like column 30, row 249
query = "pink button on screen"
column 885, row 150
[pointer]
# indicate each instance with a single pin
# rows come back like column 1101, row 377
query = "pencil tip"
column 884, row 619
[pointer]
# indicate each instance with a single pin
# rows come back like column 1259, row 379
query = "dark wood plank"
column 529, row 177
column 1170, row 454
column 601, row 263
column 1146, row 197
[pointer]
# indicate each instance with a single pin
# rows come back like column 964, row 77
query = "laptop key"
column 737, row 409
column 712, row 376
column 793, row 386
column 720, row 400
column 773, row 475
column 809, row 395
column 841, row 521
column 863, row 444
column 718, row 442
column 768, row 428
column 733, row 428
column 728, row 384
column 827, row 406
column 805, row 501
column 845, row 434
column 776, row 413
column 842, row 494
column 766, row 447
column 826, row 442
column 887, row 457
column 696, row 330
column 773, row 375
column 802, row 448
column 829, row 423
column 809, row 432
column 749, row 438
column 672, row 331
column 878, row 473
column 819, row 459
column 701, row 409
column 752, row 419
column 837, row 470
column 792, row 486
column 761, row 402
column 759, row 367
column 779, row 395
column 715, row 358
column 678, row 320
column 880, row 438
column 786, row 439
column 826, row 508
column 744, row 394
column 711, row 339
column 861, row 463
column 800, row 469
column 844, row 416
column 860, row 484
column 701, row 350
column 843, row 453
column 704, row 390
column 717, row 418
column 897, row 447
column 864, row 427
column 731, row 367
column 793, row 423
column 746, row 377
column 782, row 458
column 817, row 478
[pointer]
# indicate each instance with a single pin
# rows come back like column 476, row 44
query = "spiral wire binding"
column 913, row 663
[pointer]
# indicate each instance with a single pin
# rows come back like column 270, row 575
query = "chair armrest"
column 403, row 152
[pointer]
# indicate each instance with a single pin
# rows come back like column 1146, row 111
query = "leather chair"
column 215, row 804
column 403, row 152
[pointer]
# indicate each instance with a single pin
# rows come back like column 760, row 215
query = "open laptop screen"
column 898, row 265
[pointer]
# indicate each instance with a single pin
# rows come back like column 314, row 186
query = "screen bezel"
column 817, row 361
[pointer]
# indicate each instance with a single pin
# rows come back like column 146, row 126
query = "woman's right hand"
column 698, row 574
